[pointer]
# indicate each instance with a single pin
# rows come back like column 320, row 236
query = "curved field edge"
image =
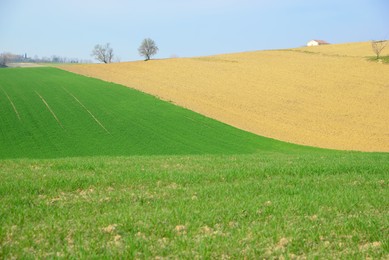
column 268, row 205
column 337, row 101
column 51, row 113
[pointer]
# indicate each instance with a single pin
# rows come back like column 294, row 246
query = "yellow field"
column 329, row 101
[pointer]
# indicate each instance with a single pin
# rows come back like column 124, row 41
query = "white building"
column 316, row 43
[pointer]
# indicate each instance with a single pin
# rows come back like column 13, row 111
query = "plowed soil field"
column 333, row 99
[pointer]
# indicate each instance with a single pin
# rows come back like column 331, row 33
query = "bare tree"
column 378, row 46
column 103, row 53
column 148, row 48
column 4, row 59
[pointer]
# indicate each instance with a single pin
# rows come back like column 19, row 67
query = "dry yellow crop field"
column 358, row 49
column 318, row 100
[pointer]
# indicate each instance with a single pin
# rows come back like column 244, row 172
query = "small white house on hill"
column 316, row 43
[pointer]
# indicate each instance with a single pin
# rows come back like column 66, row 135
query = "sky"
column 184, row 28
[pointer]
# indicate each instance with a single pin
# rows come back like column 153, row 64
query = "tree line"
column 104, row 52
column 7, row 57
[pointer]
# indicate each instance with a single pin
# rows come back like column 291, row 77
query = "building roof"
column 321, row 41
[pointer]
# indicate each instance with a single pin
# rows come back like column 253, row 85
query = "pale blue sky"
column 184, row 28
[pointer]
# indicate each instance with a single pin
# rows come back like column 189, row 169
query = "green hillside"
column 50, row 113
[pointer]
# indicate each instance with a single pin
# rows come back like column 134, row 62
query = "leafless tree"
column 148, row 48
column 4, row 58
column 103, row 53
column 378, row 46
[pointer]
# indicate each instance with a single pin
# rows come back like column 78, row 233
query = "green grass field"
column 90, row 169
column 49, row 113
column 255, row 206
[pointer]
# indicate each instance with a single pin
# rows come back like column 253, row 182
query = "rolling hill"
column 51, row 113
column 147, row 179
column 326, row 96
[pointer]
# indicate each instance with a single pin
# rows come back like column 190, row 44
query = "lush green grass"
column 260, row 206
column 49, row 113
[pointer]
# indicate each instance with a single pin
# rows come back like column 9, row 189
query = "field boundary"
column 49, row 108
column 12, row 104
column 293, row 95
column 87, row 110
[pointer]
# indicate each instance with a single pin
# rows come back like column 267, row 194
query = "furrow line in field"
column 12, row 104
column 49, row 108
column 87, row 110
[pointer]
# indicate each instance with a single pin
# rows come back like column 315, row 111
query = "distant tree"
column 378, row 46
column 103, row 53
column 4, row 59
column 56, row 59
column 148, row 48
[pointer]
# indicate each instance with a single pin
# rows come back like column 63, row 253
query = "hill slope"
column 50, row 113
column 331, row 101
column 352, row 49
